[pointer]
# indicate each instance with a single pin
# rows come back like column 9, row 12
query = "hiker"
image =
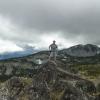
column 53, row 48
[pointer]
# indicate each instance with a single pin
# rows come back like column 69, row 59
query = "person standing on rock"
column 53, row 48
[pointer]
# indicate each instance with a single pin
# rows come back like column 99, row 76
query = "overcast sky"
column 38, row 22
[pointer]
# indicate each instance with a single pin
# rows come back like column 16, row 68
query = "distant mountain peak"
column 83, row 50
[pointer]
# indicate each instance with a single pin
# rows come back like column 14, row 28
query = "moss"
column 24, row 97
column 26, row 81
column 98, row 87
column 56, row 95
column 94, row 94
column 92, row 71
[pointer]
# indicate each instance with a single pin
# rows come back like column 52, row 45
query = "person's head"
column 54, row 42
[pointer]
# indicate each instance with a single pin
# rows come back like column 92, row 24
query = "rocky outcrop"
column 48, row 83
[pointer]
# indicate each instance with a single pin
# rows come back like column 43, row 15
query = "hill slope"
column 35, row 78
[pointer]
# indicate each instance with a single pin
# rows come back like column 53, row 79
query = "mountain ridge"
column 82, row 50
column 77, row 50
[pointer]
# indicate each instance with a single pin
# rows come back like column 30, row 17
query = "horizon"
column 35, row 50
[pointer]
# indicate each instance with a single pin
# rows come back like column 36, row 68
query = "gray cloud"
column 70, row 19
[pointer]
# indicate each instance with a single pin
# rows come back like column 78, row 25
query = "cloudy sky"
column 38, row 22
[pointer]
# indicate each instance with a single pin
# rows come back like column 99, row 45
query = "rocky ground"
column 35, row 78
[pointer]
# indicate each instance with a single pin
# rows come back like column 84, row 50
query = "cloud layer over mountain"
column 37, row 21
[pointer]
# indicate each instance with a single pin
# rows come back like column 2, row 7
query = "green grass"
column 87, row 70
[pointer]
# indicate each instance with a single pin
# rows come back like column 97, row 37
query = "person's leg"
column 50, row 56
column 55, row 56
